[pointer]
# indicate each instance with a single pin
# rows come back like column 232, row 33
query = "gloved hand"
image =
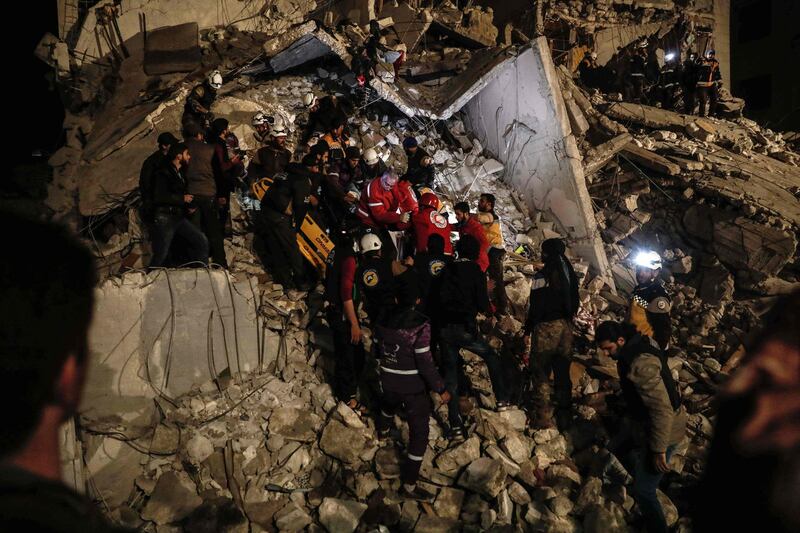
column 405, row 217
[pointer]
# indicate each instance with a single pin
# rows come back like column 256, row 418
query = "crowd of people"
column 636, row 73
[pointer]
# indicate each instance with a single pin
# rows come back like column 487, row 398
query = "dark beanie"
column 553, row 247
column 219, row 125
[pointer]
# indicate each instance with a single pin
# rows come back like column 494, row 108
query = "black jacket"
column 289, row 195
column 169, row 187
column 147, row 177
column 375, row 281
column 554, row 293
column 430, row 267
column 463, row 293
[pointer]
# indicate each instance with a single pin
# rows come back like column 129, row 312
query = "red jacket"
column 408, row 201
column 474, row 228
column 379, row 207
column 428, row 221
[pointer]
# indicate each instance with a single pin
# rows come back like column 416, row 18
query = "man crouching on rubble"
column 45, row 312
column 407, row 376
column 655, row 421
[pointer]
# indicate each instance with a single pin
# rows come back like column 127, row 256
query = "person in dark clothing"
column 351, row 177
column 496, row 253
column 709, row 80
column 407, row 375
column 588, row 70
column 170, row 203
column 553, row 304
column 197, row 109
column 668, row 79
column 45, row 315
column 689, row 83
column 636, row 75
column 372, row 166
column 340, row 294
column 322, row 112
column 462, row 296
column 227, row 168
column 283, row 209
column 148, row 172
column 430, row 265
column 655, row 420
column 650, row 302
column 273, row 157
column 375, row 278
column 420, row 171
column 202, row 185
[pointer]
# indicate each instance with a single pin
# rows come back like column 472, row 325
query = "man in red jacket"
column 379, row 206
column 469, row 225
column 428, row 221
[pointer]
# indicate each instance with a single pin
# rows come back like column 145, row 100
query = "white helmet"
column 370, row 156
column 309, row 99
column 279, row 129
column 215, row 79
column 370, row 243
column 648, row 259
column 260, row 119
column 642, row 44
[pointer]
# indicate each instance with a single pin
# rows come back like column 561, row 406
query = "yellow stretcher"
column 312, row 240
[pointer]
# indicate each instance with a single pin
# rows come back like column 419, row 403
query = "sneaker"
column 417, row 493
column 457, row 434
column 503, row 406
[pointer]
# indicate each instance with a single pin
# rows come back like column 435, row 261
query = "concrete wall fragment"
column 520, row 116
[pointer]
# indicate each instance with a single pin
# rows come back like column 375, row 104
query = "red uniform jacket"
column 474, row 228
column 379, row 207
column 428, row 221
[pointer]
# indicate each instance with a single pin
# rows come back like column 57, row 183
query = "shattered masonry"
column 249, row 430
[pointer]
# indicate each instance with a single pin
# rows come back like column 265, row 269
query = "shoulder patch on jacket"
column 435, row 267
column 660, row 304
column 646, row 370
column 438, row 220
column 370, row 277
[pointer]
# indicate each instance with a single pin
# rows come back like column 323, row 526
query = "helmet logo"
column 370, row 277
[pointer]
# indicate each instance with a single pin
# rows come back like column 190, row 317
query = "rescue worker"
column 408, row 375
column 469, row 225
column 668, row 79
column 497, row 250
column 148, row 172
column 201, row 183
column 261, row 123
column 429, row 221
column 342, row 317
column 170, row 201
column 650, row 304
column 420, row 171
column 273, row 157
column 228, row 167
column 655, row 421
column 553, row 304
column 375, row 278
column 283, row 209
column 379, row 204
column 588, row 70
column 351, row 175
column 636, row 74
column 322, row 113
column 336, row 140
column 462, row 296
column 321, row 152
column 198, row 104
column 709, row 79
column 372, row 166
column 689, row 77
column 429, row 265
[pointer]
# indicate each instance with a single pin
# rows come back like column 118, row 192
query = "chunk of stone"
column 517, row 447
column 560, row 505
column 173, row 499
column 342, row 442
column 340, row 516
column 199, row 448
column 460, row 455
column 485, row 476
column 293, row 424
column 292, row 518
column 448, row 503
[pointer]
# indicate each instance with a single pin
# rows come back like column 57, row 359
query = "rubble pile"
column 267, row 447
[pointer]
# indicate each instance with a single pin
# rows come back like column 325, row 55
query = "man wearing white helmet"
column 273, row 157
column 374, row 277
column 198, row 104
column 322, row 113
column 709, row 79
column 261, row 123
column 637, row 71
column 372, row 166
column 650, row 304
column 588, row 69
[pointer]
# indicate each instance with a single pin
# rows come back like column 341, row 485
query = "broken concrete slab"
column 294, row 424
column 340, row 516
column 410, row 24
column 172, row 49
column 603, row 153
column 652, row 117
column 485, row 476
column 173, row 499
column 650, row 160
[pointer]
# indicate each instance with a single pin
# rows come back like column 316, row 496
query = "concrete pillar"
column 722, row 39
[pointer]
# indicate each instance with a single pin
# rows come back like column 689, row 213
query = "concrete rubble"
column 209, row 399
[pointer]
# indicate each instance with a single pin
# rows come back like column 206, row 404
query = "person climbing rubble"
column 655, row 419
column 554, row 302
column 467, row 224
column 709, row 80
column 202, row 183
column 197, row 109
column 420, row 171
column 462, row 296
column 148, row 172
column 588, row 70
column 337, row 141
column 497, row 250
column 407, row 376
column 323, row 113
column 343, row 299
column 650, row 303
column 171, row 202
column 375, row 277
column 636, row 74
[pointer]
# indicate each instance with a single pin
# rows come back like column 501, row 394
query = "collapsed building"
column 208, row 405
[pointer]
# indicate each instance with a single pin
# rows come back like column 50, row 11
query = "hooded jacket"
column 377, row 206
column 406, row 363
column 554, row 292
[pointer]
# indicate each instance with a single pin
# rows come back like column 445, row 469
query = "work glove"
column 405, row 217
